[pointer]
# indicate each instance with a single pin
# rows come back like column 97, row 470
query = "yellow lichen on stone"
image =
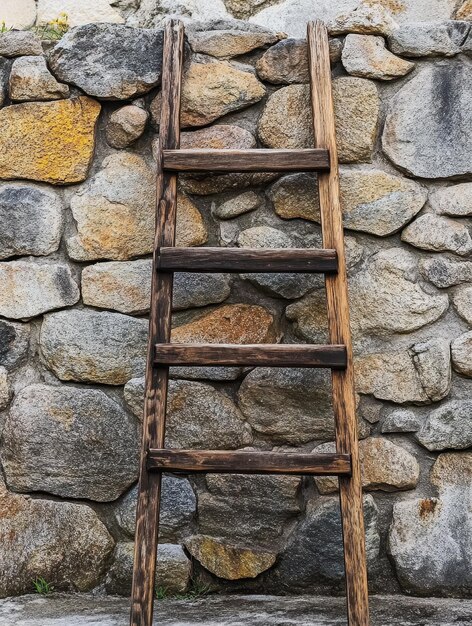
column 229, row 561
column 51, row 142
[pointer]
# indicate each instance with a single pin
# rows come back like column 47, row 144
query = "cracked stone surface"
column 236, row 610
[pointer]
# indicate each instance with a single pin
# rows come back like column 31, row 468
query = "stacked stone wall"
column 79, row 120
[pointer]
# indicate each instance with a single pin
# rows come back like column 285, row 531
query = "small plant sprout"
column 42, row 587
column 161, row 593
column 55, row 29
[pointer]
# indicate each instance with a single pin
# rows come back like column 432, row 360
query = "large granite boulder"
column 65, row 543
column 109, row 61
column 440, row 96
column 430, row 537
column 75, row 443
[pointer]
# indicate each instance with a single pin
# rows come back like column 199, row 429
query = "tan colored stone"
column 126, row 125
column 384, row 467
column 366, row 56
column 115, row 212
column 228, row 38
column 385, row 298
column 211, row 90
column 452, row 469
column 232, row 323
column 421, row 374
column 5, row 390
column 30, row 79
column 191, row 230
column 287, row 62
column 242, row 9
column 379, row 203
column 356, row 109
column 78, row 13
column 121, row 286
column 51, row 142
column 28, row 289
column 244, row 203
column 462, row 300
column 63, row 542
column 296, row 196
column 19, row 14
column 438, row 233
column 461, row 351
column 372, row 200
column 286, row 120
column 464, row 12
column 227, row 561
column 366, row 19
column 218, row 137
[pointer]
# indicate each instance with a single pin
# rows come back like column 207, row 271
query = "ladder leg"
column 339, row 330
column 149, row 490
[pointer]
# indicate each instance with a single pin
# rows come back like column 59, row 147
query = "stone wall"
column 78, row 125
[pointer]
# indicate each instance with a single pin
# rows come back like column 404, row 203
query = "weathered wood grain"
column 257, row 160
column 339, row 328
column 262, row 355
column 147, row 514
column 224, row 462
column 295, row 260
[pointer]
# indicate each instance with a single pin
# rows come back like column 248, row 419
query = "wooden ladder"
column 162, row 354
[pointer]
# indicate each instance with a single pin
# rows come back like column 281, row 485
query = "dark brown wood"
column 267, row 355
column 147, row 514
column 296, row 260
column 339, row 329
column 258, row 160
column 224, row 462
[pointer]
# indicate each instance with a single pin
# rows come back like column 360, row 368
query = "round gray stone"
column 74, row 443
column 448, row 426
column 31, row 220
column 28, row 289
column 278, row 403
column 109, row 61
column 90, row 346
column 63, row 542
column 177, row 512
column 440, row 96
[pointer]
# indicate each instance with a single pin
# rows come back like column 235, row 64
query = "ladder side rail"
column 149, row 490
column 350, row 489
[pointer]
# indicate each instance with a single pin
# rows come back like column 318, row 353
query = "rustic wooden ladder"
column 162, row 354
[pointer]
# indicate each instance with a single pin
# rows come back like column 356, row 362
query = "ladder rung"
column 297, row 260
column 248, row 462
column 269, row 355
column 257, row 160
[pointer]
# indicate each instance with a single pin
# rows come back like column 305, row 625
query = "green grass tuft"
column 42, row 587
